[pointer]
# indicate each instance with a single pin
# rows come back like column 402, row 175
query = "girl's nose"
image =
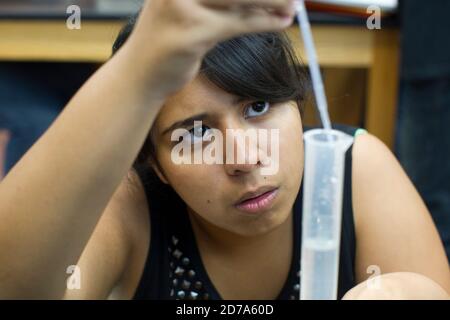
column 241, row 151
column 240, row 169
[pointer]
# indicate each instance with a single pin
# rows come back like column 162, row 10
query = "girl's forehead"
column 198, row 96
column 200, row 92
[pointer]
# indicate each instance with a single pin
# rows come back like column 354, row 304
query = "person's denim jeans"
column 31, row 97
column 25, row 123
column 423, row 145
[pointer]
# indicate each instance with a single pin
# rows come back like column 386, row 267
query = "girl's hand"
column 172, row 36
column 397, row 286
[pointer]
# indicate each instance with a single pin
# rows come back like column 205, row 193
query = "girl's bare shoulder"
column 394, row 228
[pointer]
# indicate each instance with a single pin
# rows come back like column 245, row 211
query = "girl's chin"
column 271, row 220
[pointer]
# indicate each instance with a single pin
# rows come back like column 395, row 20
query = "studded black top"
column 174, row 268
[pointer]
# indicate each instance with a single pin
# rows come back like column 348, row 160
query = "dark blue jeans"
column 31, row 97
column 26, row 123
column 423, row 145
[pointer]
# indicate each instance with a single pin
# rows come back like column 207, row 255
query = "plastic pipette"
column 319, row 91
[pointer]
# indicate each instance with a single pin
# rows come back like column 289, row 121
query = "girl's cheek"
column 192, row 179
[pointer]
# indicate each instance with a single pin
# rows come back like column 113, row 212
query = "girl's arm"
column 394, row 230
column 53, row 198
column 111, row 263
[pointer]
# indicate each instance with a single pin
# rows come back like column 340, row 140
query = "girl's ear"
column 158, row 171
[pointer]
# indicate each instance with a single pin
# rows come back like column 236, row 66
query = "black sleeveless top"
column 174, row 268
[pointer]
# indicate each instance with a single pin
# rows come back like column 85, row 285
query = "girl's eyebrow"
column 186, row 122
column 199, row 117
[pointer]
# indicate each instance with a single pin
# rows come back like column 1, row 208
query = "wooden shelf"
column 338, row 46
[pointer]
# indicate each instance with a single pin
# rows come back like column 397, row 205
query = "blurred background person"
column 31, row 97
column 423, row 141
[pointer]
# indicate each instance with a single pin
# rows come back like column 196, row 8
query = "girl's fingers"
column 228, row 3
column 280, row 7
column 233, row 23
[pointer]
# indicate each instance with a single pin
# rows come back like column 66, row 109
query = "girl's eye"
column 197, row 134
column 256, row 109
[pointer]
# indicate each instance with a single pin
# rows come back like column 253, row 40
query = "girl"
column 162, row 230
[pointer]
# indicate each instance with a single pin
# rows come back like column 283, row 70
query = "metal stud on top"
column 179, row 271
column 185, row 285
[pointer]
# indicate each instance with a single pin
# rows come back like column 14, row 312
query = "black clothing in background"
column 423, row 141
column 425, row 39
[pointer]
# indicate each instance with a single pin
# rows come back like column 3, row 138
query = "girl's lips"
column 259, row 203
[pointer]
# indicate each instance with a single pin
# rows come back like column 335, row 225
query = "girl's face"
column 211, row 191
